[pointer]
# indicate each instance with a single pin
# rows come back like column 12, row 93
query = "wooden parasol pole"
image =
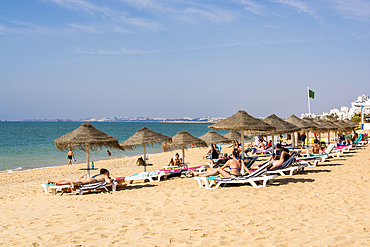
column 88, row 160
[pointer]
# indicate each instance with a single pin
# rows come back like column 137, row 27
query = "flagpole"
column 309, row 106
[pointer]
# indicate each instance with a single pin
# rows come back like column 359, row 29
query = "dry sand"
column 325, row 206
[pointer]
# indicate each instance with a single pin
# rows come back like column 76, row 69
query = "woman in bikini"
column 234, row 164
column 103, row 176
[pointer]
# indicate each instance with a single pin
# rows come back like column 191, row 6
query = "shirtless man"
column 103, row 176
column 234, row 164
column 70, row 156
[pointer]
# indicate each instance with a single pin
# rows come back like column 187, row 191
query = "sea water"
column 30, row 145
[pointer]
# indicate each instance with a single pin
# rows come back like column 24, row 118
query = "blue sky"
column 174, row 58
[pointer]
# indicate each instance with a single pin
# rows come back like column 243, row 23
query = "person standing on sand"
column 70, row 156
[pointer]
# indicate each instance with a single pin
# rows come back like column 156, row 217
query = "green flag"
column 311, row 94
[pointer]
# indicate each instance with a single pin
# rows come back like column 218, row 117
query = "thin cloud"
column 103, row 11
column 300, row 6
column 353, row 9
column 216, row 15
column 123, row 51
column 251, row 6
column 25, row 28
column 118, row 29
column 150, row 5
column 88, row 29
column 83, row 6
column 142, row 23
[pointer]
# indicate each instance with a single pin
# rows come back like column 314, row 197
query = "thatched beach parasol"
column 347, row 126
column 212, row 137
column 329, row 127
column 350, row 122
column 305, row 126
column 281, row 126
column 244, row 122
column 182, row 140
column 235, row 135
column 143, row 137
column 86, row 138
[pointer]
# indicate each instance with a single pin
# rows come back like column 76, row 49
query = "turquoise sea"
column 29, row 145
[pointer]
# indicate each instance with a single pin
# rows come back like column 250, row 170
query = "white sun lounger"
column 145, row 175
column 289, row 167
column 310, row 161
column 253, row 179
column 53, row 189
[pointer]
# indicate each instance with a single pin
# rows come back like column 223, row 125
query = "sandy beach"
column 327, row 205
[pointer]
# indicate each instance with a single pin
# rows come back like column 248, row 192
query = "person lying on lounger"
column 103, row 176
column 275, row 159
column 234, row 164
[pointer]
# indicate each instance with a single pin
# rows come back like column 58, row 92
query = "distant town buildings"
column 345, row 112
column 135, row 119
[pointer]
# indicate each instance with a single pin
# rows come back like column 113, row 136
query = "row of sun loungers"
column 259, row 178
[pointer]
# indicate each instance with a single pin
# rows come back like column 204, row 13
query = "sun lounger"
column 253, row 179
column 53, row 189
column 144, row 176
column 289, row 167
column 311, row 161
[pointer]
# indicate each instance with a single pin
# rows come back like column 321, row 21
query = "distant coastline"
column 130, row 120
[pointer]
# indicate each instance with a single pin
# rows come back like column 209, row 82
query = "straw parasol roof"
column 328, row 125
column 345, row 125
column 304, row 125
column 142, row 137
column 183, row 139
column 235, row 135
column 319, row 126
column 281, row 125
column 212, row 137
column 352, row 123
column 243, row 121
column 341, row 125
column 86, row 135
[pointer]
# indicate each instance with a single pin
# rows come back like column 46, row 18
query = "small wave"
column 12, row 170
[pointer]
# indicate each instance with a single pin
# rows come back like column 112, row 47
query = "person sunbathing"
column 276, row 160
column 261, row 146
column 175, row 162
column 103, row 176
column 234, row 164
column 316, row 148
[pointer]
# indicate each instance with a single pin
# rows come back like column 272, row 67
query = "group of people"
column 236, row 164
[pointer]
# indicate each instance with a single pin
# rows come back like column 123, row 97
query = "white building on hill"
column 345, row 112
